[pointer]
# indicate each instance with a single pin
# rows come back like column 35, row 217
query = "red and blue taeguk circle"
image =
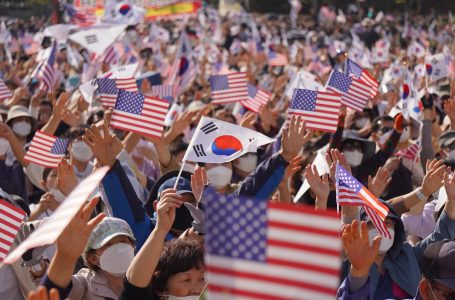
column 405, row 91
column 429, row 69
column 226, row 145
column 124, row 9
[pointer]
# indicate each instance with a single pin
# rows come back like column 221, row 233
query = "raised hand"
column 293, row 168
column 198, row 181
column 357, row 247
column 294, row 138
column 392, row 164
column 449, row 109
column 378, row 183
column 169, row 201
column 105, row 147
column 74, row 238
column 59, row 106
column 433, row 179
column 319, row 186
column 248, row 120
column 42, row 294
column 6, row 132
column 66, row 180
column 333, row 157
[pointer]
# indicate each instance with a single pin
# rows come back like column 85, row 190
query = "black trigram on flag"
column 434, row 61
column 199, row 150
column 210, row 127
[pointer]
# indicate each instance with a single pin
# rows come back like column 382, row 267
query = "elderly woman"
column 174, row 270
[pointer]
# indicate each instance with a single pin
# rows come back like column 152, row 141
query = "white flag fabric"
column 303, row 80
column 97, row 38
column 59, row 31
column 416, row 49
column 215, row 141
column 436, row 66
column 322, row 167
column 51, row 229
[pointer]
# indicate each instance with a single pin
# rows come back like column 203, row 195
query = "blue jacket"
column 126, row 205
column 403, row 261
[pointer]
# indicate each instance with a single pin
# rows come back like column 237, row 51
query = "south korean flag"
column 215, row 141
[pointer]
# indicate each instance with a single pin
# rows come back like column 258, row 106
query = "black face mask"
column 183, row 218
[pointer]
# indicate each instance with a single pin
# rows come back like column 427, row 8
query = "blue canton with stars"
column 340, row 81
column 304, row 100
column 252, row 91
column 107, row 86
column 237, row 227
column 60, row 146
column 219, row 82
column 129, row 102
column 353, row 68
column 347, row 180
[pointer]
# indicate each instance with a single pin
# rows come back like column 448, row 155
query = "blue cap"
column 183, row 186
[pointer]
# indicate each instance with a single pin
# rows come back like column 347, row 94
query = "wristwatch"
column 421, row 195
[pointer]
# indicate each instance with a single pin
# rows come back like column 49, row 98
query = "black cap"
column 438, row 263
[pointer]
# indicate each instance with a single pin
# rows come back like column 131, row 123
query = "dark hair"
column 178, row 147
column 46, row 173
column 179, row 255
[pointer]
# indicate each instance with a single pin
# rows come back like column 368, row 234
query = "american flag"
column 138, row 113
column 365, row 197
column 228, row 88
column 108, row 89
column 111, row 55
column 5, row 93
column 319, row 110
column 347, row 196
column 81, row 16
column 354, row 92
column 47, row 73
column 262, row 250
column 163, row 91
column 354, row 69
column 277, row 59
column 256, row 98
column 308, row 53
column 11, row 219
column 412, row 152
column 33, row 48
column 46, row 150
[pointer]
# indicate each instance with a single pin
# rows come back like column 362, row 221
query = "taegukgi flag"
column 215, row 141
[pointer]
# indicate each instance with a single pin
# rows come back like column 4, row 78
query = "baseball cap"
column 183, row 186
column 446, row 138
column 108, row 229
column 438, row 263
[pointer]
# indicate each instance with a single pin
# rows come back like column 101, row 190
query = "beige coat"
column 90, row 285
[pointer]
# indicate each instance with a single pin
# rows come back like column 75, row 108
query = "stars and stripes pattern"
column 138, row 113
column 47, row 72
column 319, row 110
column 163, row 91
column 412, row 152
column 308, row 53
column 108, row 89
column 80, row 16
column 32, row 48
column 229, row 88
column 354, row 92
column 276, row 59
column 46, row 150
column 268, row 250
column 346, row 196
column 5, row 93
column 10, row 222
column 354, row 69
column 256, row 98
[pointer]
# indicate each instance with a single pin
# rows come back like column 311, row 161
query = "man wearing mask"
column 447, row 144
column 80, row 154
column 21, row 122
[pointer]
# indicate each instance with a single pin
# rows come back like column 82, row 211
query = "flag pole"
column 180, row 173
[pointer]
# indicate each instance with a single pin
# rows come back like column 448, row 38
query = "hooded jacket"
column 403, row 261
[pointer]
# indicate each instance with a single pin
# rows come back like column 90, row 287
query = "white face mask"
column 246, row 163
column 117, row 258
column 219, row 176
column 57, row 195
column 22, row 128
column 354, row 158
column 4, row 146
column 170, row 297
column 451, row 155
column 81, row 151
column 360, row 123
column 386, row 243
column 384, row 137
column 405, row 135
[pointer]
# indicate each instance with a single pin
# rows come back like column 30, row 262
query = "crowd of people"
column 141, row 235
